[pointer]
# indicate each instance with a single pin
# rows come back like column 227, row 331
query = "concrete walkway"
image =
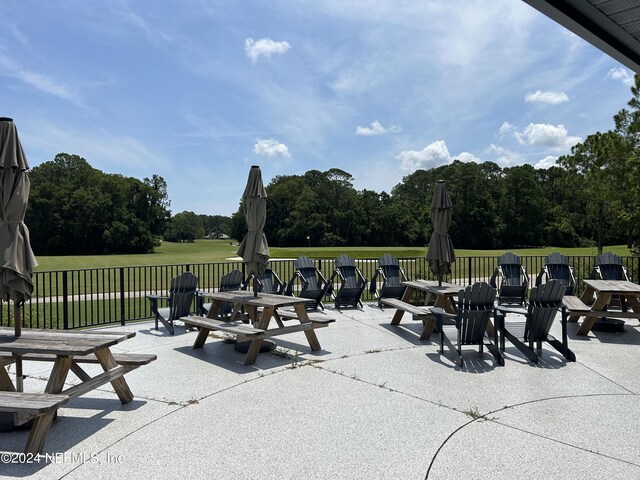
column 376, row 402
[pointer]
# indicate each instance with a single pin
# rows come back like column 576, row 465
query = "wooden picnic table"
column 604, row 291
column 444, row 298
column 260, row 310
column 65, row 349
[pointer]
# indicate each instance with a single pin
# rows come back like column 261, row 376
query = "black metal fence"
column 68, row 299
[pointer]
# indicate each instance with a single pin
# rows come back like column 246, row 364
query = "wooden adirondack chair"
column 473, row 309
column 314, row 285
column 182, row 291
column 391, row 277
column 544, row 303
column 351, row 283
column 510, row 279
column 268, row 282
column 556, row 267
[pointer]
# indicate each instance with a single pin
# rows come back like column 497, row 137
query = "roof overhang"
column 611, row 25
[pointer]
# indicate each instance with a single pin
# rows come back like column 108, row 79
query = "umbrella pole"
column 17, row 318
column 255, row 285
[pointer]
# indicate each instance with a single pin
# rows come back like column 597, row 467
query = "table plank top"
column 58, row 342
column 432, row 286
column 613, row 286
column 262, row 300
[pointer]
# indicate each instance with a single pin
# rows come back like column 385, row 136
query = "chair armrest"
column 154, row 301
column 509, row 309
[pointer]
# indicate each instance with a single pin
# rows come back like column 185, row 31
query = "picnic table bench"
column 260, row 310
column 38, row 406
column 443, row 294
column 67, row 350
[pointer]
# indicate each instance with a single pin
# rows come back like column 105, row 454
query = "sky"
column 197, row 91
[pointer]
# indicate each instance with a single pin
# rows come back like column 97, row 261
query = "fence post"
column 469, row 270
column 65, row 300
column 122, row 303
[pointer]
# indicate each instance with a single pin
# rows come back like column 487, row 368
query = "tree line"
column 591, row 197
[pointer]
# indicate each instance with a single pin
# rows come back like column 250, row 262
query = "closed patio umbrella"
column 254, row 249
column 440, row 254
column 16, row 255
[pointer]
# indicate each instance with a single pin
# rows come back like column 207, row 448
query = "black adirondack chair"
column 391, row 275
column 609, row 267
column 544, row 303
column 229, row 282
column 182, row 292
column 268, row 282
column 313, row 284
column 556, row 267
column 351, row 283
column 510, row 279
column 473, row 309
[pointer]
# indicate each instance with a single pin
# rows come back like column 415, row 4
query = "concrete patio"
column 375, row 402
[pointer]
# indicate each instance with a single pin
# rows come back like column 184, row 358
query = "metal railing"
column 68, row 299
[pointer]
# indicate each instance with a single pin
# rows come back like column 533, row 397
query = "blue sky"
column 198, row 91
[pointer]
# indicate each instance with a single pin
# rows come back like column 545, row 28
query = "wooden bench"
column 247, row 332
column 577, row 308
column 313, row 317
column 38, row 406
column 419, row 312
column 130, row 361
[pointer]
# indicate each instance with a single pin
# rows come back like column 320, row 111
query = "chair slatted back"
column 269, row 282
column 511, row 267
column 609, row 267
column 307, row 269
column 393, row 273
column 557, row 268
column 229, row 282
column 349, row 272
column 475, row 304
column 182, row 292
column 544, row 302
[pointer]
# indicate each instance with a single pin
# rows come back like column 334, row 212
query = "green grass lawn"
column 207, row 251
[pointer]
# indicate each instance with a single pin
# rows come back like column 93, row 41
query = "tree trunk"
column 600, row 227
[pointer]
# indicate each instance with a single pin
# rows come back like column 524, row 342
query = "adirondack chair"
column 609, row 267
column 182, row 291
column 543, row 305
column 228, row 283
column 314, row 284
column 510, row 279
column 556, row 267
column 351, row 281
column 473, row 309
column 268, row 282
column 391, row 277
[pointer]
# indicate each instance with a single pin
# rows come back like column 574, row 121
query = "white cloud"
column 545, row 135
column 263, row 47
column 553, row 98
column 622, row 74
column 433, row 155
column 505, row 129
column 505, row 157
column 546, row 162
column 268, row 147
column 11, row 68
column 467, row 157
column 376, row 129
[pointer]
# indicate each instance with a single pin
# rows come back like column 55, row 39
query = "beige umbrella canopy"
column 254, row 249
column 16, row 255
column 440, row 254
